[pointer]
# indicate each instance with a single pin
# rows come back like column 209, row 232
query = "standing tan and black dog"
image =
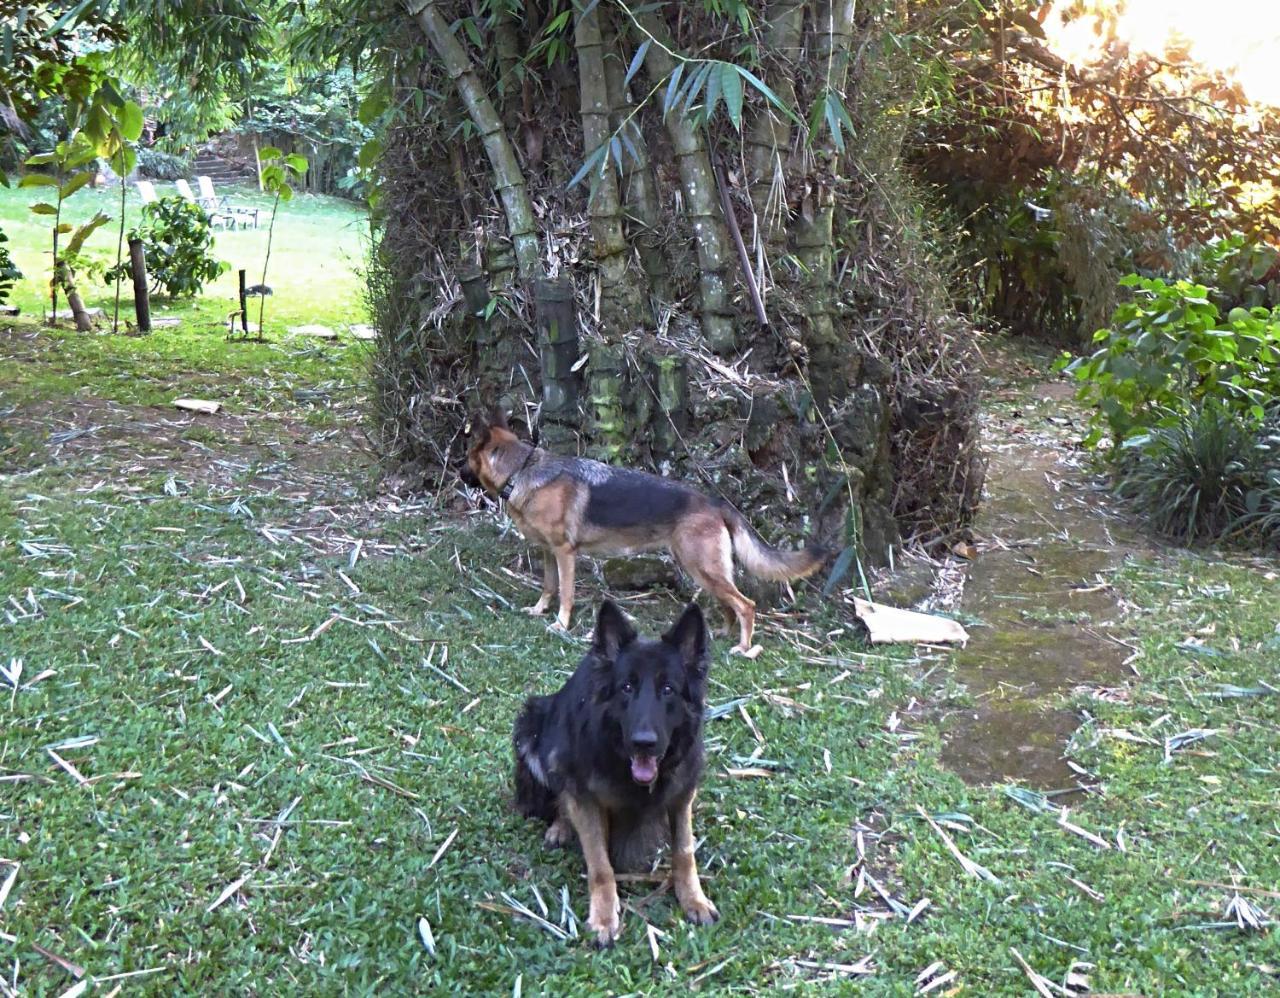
column 615, row 756
column 570, row 505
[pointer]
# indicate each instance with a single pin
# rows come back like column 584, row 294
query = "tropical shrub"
column 9, row 272
column 1240, row 272
column 1168, row 350
column 160, row 165
column 1209, row 474
column 179, row 244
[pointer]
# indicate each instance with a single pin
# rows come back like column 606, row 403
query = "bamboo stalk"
column 769, row 138
column 639, row 186
column 700, row 201
column 621, row 301
column 508, row 178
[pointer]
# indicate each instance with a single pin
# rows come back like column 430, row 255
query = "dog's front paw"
column 699, row 910
column 605, row 922
column 558, row 835
column 537, row 610
column 752, row 652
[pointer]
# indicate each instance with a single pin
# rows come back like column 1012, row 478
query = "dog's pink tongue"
column 644, row 768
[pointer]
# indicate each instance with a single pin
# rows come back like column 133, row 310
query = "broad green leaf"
column 371, row 107
column 268, row 153
column 74, row 184
column 41, row 159
column 369, row 153
column 85, row 231
column 130, row 121
column 296, row 162
column 43, row 208
column 38, row 180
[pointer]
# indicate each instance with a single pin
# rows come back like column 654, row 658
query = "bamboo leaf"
column 731, row 85
column 591, row 162
column 712, row 96
column 842, row 122
column 636, row 61
column 833, row 122
column 615, row 149
column 840, row 569
column 760, row 87
column 695, row 85
column 673, row 87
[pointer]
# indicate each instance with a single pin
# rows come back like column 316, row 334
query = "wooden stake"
column 141, row 297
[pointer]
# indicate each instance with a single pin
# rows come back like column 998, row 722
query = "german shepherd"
column 570, row 505
column 616, row 755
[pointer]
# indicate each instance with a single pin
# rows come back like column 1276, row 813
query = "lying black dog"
column 616, row 756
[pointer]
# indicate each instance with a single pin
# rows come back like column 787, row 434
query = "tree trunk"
column 509, row 181
column 701, row 203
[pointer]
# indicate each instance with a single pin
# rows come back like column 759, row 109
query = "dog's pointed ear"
column 689, row 636
column 498, row 418
column 613, row 632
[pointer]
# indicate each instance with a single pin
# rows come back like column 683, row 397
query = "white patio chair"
column 218, row 219
column 146, row 191
column 209, row 196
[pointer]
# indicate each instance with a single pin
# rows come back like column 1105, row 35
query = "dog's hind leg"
column 550, row 583
column 704, row 549
column 696, row 905
column 592, row 825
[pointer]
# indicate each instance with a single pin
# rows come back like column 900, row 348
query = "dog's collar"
column 509, row 485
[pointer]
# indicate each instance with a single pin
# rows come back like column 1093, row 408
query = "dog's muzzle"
column 468, row 476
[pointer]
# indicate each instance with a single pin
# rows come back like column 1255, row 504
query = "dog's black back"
column 632, row 709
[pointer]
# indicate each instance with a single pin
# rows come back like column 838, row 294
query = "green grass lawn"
column 261, row 728
column 316, row 252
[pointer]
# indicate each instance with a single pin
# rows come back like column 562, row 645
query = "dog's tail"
column 765, row 561
column 534, row 799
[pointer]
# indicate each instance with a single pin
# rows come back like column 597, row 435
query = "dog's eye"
column 628, row 688
column 667, row 689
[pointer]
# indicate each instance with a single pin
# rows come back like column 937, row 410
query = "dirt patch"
column 1043, row 618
